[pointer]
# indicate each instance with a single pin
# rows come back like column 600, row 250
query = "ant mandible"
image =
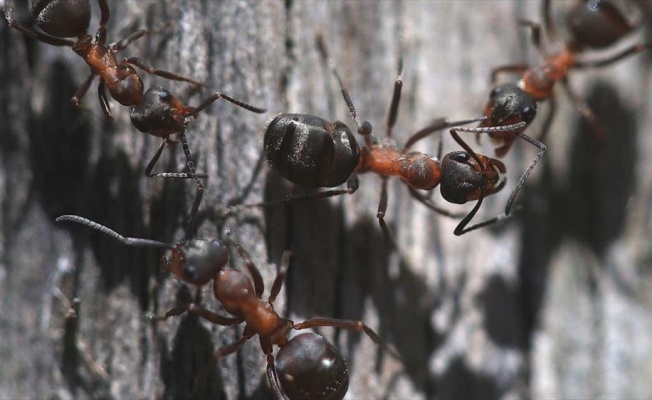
column 307, row 366
column 313, row 152
column 62, row 19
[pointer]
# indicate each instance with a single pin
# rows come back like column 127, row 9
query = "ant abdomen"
column 197, row 261
column 62, row 18
column 597, row 25
column 309, row 367
column 310, row 151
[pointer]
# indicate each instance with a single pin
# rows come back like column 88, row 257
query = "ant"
column 592, row 25
column 307, row 366
column 162, row 114
column 62, row 19
column 312, row 152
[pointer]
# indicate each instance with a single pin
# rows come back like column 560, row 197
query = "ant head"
column 311, row 151
column 62, row 18
column 508, row 104
column 159, row 113
column 466, row 178
column 596, row 25
column 197, row 261
column 309, row 367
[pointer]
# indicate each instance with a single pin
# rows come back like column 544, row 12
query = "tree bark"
column 551, row 303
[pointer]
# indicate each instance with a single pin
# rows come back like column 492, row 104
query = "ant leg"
column 510, row 69
column 535, row 28
column 461, row 227
column 635, row 49
column 259, row 286
column 272, row 378
column 547, row 123
column 396, row 99
column 526, row 174
column 357, row 326
column 166, row 175
column 129, row 241
column 101, row 94
column 222, row 352
column 382, row 208
column 584, row 110
column 351, row 186
column 81, row 92
column 280, row 276
column 104, row 19
column 123, row 43
column 29, row 32
column 546, row 11
column 145, row 66
column 193, row 174
column 250, row 185
column 364, row 127
column 217, row 96
column 437, row 125
column 214, row 317
column 428, row 203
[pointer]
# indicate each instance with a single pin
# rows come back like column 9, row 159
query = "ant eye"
column 528, row 114
column 165, row 95
column 495, row 91
column 190, row 272
column 460, row 157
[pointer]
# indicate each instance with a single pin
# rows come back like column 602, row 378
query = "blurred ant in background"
column 62, row 19
column 313, row 152
column 307, row 366
column 592, row 25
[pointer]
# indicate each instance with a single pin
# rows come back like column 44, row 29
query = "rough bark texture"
column 551, row 304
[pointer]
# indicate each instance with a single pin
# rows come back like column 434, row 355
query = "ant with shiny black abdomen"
column 307, row 366
column 60, row 20
column 313, row 152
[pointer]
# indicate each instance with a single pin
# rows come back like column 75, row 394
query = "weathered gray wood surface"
column 552, row 304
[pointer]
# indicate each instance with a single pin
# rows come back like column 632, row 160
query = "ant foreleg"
column 166, row 175
column 429, row 203
column 123, row 43
column 145, row 66
column 437, row 125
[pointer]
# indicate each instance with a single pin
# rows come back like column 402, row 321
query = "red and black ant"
column 307, row 366
column 62, row 19
column 313, row 152
column 592, row 25
column 162, row 114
